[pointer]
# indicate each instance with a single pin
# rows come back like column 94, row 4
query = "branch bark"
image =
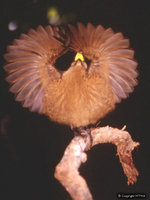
column 67, row 173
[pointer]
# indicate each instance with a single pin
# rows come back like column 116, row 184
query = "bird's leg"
column 84, row 132
column 76, row 131
column 88, row 130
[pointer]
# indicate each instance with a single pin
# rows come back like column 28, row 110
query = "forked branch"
column 67, row 170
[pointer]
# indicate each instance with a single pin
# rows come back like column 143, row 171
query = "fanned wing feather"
column 110, row 50
column 30, row 65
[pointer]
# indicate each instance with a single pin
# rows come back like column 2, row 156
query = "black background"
column 31, row 145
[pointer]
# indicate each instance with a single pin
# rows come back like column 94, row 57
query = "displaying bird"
column 86, row 91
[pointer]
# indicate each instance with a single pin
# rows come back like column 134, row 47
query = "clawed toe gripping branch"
column 67, row 173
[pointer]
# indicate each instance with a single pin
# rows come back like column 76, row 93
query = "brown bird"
column 85, row 92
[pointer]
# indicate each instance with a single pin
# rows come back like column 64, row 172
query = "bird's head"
column 79, row 61
column 79, row 56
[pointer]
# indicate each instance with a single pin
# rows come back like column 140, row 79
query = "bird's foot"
column 84, row 132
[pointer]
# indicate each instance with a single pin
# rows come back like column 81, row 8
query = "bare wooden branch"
column 67, row 170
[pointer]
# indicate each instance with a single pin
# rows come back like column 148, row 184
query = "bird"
column 101, row 74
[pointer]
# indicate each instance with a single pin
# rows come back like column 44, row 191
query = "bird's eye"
column 64, row 61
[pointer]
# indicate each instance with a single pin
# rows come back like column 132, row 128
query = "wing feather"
column 110, row 51
column 25, row 91
column 30, row 66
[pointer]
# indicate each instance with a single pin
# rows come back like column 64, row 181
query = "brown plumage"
column 84, row 93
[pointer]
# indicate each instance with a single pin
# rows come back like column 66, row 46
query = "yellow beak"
column 79, row 56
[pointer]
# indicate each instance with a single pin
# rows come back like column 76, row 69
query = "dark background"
column 31, row 145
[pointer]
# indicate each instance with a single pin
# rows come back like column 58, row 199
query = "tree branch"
column 67, row 170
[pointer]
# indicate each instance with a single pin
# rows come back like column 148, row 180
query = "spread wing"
column 30, row 66
column 110, row 51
